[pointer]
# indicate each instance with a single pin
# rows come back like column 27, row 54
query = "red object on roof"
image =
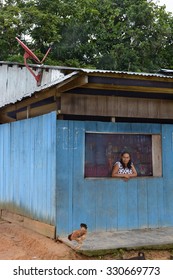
column 29, row 54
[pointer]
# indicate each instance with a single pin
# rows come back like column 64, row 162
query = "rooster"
column 79, row 235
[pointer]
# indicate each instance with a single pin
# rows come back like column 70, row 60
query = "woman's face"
column 125, row 158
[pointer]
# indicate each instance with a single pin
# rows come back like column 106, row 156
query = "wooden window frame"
column 156, row 154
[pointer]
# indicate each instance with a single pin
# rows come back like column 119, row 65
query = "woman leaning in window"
column 124, row 168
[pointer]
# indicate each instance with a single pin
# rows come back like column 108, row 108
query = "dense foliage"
column 128, row 35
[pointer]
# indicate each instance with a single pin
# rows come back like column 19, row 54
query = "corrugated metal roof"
column 16, row 82
column 57, row 81
column 161, row 74
column 166, row 73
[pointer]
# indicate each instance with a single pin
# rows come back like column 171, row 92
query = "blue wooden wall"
column 107, row 203
column 42, row 177
column 28, row 167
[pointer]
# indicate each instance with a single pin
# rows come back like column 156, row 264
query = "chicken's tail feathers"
column 69, row 237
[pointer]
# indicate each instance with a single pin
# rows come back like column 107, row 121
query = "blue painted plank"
column 89, row 211
column 122, row 205
column 152, row 204
column 142, row 203
column 64, row 170
column 146, row 128
column 132, row 204
column 167, row 152
column 30, row 163
column 79, row 191
column 107, row 203
column 161, row 203
column 47, row 177
column 4, row 162
column 168, row 199
column 111, row 202
column 101, row 208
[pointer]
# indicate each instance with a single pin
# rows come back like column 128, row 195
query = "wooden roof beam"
column 74, row 82
column 132, row 76
column 37, row 96
column 33, row 112
column 6, row 119
column 129, row 88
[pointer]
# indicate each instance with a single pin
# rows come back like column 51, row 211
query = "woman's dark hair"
column 129, row 164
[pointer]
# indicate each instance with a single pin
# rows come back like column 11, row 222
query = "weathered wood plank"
column 75, row 82
column 37, row 226
column 156, row 155
column 33, row 112
column 6, row 119
column 129, row 88
column 126, row 76
column 38, row 96
column 113, row 106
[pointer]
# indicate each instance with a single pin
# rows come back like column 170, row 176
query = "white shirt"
column 123, row 170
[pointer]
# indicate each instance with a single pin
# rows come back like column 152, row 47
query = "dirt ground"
column 18, row 243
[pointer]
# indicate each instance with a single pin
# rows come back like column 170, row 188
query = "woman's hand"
column 126, row 177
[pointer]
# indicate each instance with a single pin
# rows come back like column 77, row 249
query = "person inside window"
column 124, row 168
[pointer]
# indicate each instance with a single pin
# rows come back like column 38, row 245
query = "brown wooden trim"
column 38, row 96
column 75, row 82
column 33, row 112
column 132, row 76
column 129, row 88
column 6, row 119
column 113, row 106
column 156, row 155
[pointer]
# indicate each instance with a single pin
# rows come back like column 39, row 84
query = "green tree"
column 10, row 26
column 128, row 35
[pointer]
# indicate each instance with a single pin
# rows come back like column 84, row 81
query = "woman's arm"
column 115, row 173
column 134, row 172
